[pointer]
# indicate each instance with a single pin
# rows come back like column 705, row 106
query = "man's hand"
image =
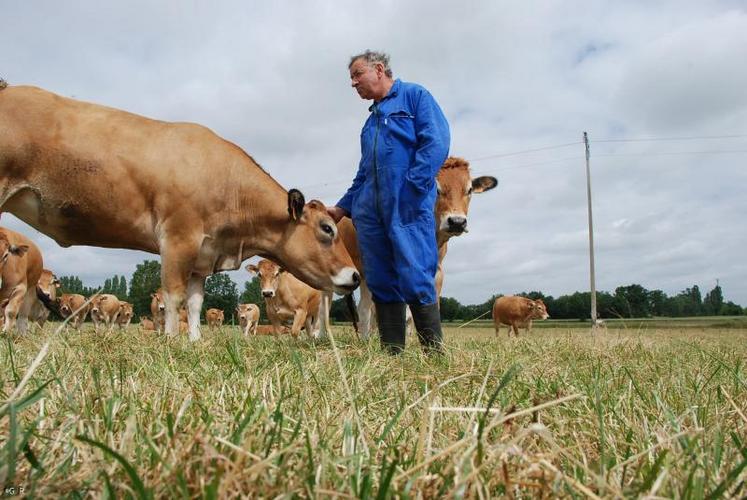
column 336, row 213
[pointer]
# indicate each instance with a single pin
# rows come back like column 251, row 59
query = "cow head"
column 311, row 249
column 8, row 251
column 539, row 311
column 125, row 311
column 97, row 303
column 242, row 310
column 455, row 190
column 157, row 300
column 269, row 276
column 48, row 284
column 66, row 304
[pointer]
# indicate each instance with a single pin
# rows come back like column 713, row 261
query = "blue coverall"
column 404, row 142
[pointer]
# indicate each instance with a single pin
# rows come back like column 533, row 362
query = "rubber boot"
column 391, row 321
column 427, row 319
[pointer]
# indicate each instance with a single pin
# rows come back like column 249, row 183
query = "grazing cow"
column 214, row 318
column 86, row 174
column 287, row 298
column 46, row 287
column 248, row 315
column 517, row 312
column 20, row 270
column 270, row 330
column 455, row 189
column 124, row 317
column 147, row 324
column 74, row 304
column 104, row 310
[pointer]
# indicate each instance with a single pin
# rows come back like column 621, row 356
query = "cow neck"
column 265, row 224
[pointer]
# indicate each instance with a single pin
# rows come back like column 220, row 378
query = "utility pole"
column 591, row 238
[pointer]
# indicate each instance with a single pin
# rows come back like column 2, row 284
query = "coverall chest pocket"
column 400, row 127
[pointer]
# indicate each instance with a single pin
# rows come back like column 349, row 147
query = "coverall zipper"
column 376, row 170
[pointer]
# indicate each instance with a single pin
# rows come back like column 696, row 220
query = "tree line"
column 631, row 301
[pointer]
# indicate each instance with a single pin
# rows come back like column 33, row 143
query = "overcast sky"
column 510, row 76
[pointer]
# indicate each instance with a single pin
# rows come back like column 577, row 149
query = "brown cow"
column 47, row 286
column 147, row 324
column 124, row 317
column 86, row 174
column 20, row 269
column 517, row 312
column 455, row 189
column 74, row 304
column 214, row 318
column 104, row 311
column 248, row 315
column 287, row 298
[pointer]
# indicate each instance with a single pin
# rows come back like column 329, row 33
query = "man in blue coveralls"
column 404, row 142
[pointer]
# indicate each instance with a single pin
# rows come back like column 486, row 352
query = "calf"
column 214, row 318
column 124, row 317
column 20, row 270
column 104, row 311
column 248, row 315
column 73, row 306
column 517, row 312
column 287, row 298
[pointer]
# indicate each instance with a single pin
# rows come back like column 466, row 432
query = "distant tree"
column 70, row 284
column 221, row 293
column 632, row 301
column 714, row 301
column 657, row 302
column 339, row 310
column 145, row 280
column 252, row 294
column 450, row 309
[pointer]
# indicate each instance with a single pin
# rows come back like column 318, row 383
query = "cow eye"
column 469, row 191
column 328, row 229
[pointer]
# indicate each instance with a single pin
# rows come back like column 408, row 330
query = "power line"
column 545, row 148
column 671, row 153
column 687, row 138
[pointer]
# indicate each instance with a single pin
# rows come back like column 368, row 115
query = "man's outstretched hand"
column 336, row 213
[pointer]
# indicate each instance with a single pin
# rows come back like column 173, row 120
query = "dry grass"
column 559, row 413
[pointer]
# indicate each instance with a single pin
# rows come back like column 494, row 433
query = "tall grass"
column 628, row 412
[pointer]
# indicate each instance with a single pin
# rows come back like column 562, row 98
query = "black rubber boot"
column 427, row 319
column 391, row 321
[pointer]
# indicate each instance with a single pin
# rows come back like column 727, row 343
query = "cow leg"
column 26, row 306
column 176, row 267
column 497, row 328
column 365, row 308
column 299, row 318
column 516, row 329
column 323, row 315
column 312, row 325
column 13, row 308
column 195, row 297
column 529, row 327
column 409, row 322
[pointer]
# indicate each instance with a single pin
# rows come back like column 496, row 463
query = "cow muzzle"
column 454, row 224
column 268, row 293
column 346, row 281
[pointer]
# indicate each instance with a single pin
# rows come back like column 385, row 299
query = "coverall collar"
column 392, row 93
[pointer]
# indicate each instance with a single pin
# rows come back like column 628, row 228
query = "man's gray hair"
column 372, row 57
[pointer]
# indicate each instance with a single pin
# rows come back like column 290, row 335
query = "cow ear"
column 484, row 183
column 252, row 268
column 296, row 202
column 19, row 250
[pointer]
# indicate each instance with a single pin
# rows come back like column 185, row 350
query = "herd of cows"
column 150, row 178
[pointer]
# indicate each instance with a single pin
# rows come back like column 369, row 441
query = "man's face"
column 367, row 79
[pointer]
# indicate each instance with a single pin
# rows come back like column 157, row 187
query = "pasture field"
column 625, row 412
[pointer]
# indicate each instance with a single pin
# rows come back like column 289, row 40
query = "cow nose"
column 356, row 278
column 267, row 293
column 457, row 223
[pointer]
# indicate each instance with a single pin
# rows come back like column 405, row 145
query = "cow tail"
column 48, row 303
column 353, row 311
